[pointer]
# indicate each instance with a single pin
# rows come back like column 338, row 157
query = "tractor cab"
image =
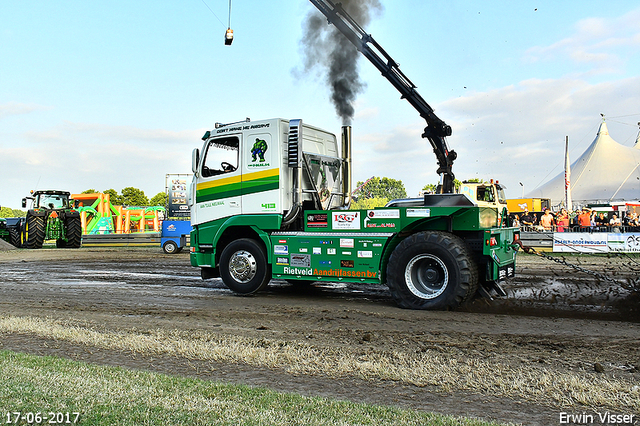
column 49, row 200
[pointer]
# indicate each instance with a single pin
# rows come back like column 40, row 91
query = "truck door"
column 261, row 177
column 218, row 191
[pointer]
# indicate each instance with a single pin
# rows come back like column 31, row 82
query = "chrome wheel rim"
column 426, row 276
column 243, row 266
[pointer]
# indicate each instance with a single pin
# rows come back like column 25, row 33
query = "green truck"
column 269, row 200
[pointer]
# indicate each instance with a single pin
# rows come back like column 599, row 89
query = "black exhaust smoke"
column 327, row 52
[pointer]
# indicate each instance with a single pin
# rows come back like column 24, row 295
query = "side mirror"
column 24, row 203
column 195, row 159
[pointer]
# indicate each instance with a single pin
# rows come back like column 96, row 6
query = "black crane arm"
column 436, row 129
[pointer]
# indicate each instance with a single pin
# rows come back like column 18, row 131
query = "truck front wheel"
column 431, row 270
column 243, row 266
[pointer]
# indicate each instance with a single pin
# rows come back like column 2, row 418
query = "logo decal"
column 258, row 150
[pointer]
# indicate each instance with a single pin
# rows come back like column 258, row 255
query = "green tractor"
column 51, row 217
column 10, row 230
column 4, row 231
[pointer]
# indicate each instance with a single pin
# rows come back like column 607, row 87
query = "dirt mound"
column 6, row 246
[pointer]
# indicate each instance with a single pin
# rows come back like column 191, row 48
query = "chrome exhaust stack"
column 294, row 161
column 346, row 166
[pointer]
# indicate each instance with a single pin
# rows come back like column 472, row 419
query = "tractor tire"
column 243, row 266
column 34, row 231
column 74, row 232
column 432, row 270
column 14, row 236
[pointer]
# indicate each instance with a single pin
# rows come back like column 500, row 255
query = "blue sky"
column 115, row 94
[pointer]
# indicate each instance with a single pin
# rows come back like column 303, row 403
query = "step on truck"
column 270, row 200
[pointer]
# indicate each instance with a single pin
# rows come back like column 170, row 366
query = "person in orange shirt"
column 584, row 220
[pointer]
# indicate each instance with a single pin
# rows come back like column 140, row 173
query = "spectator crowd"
column 585, row 220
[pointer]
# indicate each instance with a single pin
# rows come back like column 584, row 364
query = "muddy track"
column 555, row 321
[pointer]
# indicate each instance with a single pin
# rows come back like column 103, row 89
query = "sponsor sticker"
column 418, row 212
column 318, row 220
column 331, row 251
column 280, row 249
column 346, row 263
column 303, row 260
column 365, row 253
column 383, row 214
column 346, row 242
column 317, row 250
column 282, row 261
column 345, row 220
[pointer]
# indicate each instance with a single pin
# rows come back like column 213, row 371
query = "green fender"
column 260, row 224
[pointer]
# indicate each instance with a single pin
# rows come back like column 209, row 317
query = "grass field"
column 116, row 396
column 424, row 369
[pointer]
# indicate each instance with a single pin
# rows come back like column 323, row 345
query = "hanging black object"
column 228, row 36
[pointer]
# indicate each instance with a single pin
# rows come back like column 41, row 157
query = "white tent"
column 606, row 171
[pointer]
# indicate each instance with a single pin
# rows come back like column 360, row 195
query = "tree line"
column 377, row 192
column 131, row 196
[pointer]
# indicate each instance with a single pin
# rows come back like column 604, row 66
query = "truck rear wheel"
column 35, row 231
column 431, row 270
column 243, row 266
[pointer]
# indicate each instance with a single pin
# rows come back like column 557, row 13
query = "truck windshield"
column 502, row 198
column 221, row 156
column 485, row 193
column 50, row 201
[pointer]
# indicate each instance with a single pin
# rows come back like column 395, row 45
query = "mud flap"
column 491, row 289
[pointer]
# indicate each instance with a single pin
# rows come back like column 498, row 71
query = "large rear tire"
column 74, row 232
column 35, row 231
column 243, row 266
column 432, row 270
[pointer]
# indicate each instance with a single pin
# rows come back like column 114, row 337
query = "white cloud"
column 513, row 134
column 15, row 108
column 603, row 43
column 79, row 156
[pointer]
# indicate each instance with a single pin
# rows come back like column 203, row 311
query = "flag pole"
column 567, row 177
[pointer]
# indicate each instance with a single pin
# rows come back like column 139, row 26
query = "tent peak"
column 603, row 130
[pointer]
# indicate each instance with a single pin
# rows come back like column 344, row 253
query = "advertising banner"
column 580, row 242
column 597, row 242
column 176, row 186
column 627, row 243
